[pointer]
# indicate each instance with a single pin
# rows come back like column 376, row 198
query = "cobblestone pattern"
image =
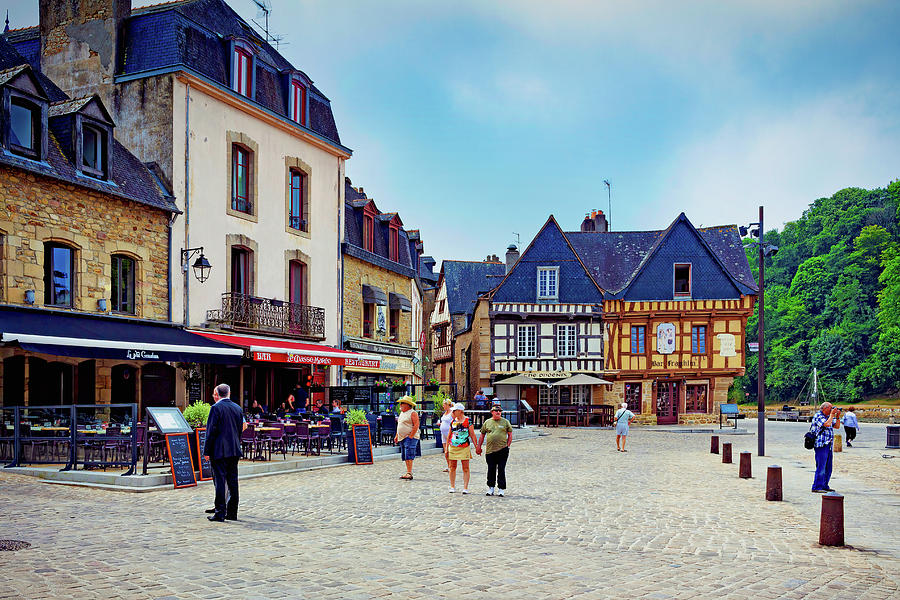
column 664, row 520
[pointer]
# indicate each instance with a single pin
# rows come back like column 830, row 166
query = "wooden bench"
column 729, row 411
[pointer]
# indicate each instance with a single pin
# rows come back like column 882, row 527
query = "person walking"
column 623, row 418
column 223, row 447
column 462, row 434
column 407, row 435
column 496, row 438
column 825, row 421
column 851, row 425
column 446, row 419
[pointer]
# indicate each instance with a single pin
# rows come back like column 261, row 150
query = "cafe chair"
column 276, row 441
column 373, row 428
column 388, row 428
column 323, row 431
column 303, row 435
column 250, row 441
column 290, row 436
column 338, row 433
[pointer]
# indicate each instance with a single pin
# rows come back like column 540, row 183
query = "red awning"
column 287, row 351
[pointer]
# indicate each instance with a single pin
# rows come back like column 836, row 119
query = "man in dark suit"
column 223, row 447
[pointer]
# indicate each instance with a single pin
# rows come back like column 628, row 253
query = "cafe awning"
column 267, row 349
column 400, row 302
column 582, row 379
column 100, row 336
column 519, row 380
column 374, row 295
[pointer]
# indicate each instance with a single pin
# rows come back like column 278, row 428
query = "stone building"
column 84, row 248
column 256, row 165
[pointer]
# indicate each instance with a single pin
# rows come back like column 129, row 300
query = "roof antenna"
column 265, row 7
column 609, row 200
column 518, row 239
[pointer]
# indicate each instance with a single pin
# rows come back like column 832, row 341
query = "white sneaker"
column 500, row 492
column 489, row 492
column 452, row 489
column 465, row 490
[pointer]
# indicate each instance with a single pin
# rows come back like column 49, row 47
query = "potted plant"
column 381, row 384
column 437, row 408
column 399, row 386
column 354, row 416
column 196, row 415
column 432, row 385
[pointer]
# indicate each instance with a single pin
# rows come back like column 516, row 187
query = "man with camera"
column 825, row 421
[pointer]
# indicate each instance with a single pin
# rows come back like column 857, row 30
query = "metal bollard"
column 744, row 472
column 773, row 483
column 838, row 447
column 714, row 445
column 831, row 524
column 726, row 453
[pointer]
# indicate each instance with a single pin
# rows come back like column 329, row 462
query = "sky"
column 477, row 119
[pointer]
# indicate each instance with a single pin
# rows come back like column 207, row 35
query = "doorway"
column 124, row 385
column 157, row 385
column 667, row 402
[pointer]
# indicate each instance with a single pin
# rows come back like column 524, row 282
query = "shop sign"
column 547, row 374
column 141, row 355
column 308, row 359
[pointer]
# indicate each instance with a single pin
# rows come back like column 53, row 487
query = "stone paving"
column 664, row 520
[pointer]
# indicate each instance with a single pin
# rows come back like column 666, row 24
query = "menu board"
column 179, row 449
column 169, row 419
column 339, row 394
column 205, row 465
column 362, row 445
column 194, row 390
column 361, row 395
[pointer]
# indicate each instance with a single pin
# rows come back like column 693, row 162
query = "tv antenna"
column 518, row 239
column 264, row 8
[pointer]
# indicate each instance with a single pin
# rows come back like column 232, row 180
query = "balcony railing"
column 268, row 315
column 441, row 353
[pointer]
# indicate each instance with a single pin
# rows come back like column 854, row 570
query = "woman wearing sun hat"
column 462, row 435
column 408, row 433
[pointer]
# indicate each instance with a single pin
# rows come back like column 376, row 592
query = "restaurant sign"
column 547, row 374
column 310, row 359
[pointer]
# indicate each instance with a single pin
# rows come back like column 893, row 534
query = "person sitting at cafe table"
column 281, row 410
column 256, row 410
column 336, row 407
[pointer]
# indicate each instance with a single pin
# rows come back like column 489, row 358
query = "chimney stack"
column 512, row 255
column 600, row 222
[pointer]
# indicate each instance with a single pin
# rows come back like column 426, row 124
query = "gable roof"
column 466, row 280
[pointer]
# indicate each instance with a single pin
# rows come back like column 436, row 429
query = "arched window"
column 59, row 275
column 122, row 292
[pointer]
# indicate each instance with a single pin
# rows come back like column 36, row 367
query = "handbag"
column 809, row 438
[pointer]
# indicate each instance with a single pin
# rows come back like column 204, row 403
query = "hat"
column 407, row 400
column 458, row 406
column 496, row 406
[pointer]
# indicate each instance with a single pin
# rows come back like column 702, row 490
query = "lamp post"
column 201, row 268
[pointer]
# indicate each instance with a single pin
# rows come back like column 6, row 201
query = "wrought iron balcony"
column 267, row 315
column 441, row 353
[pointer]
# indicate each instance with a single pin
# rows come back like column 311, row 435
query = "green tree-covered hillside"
column 832, row 299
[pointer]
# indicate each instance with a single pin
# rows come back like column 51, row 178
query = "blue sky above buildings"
column 476, row 119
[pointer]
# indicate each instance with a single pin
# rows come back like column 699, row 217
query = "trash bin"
column 893, row 436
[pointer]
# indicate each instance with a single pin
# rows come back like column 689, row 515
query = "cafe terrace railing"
column 75, row 427
column 268, row 315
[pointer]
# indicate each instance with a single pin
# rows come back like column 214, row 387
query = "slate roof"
column 129, row 177
column 465, row 280
column 354, row 201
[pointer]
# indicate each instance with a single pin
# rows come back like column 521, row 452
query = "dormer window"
column 394, row 242
column 242, row 71
column 683, row 281
column 94, row 149
column 298, row 102
column 369, row 228
column 24, row 128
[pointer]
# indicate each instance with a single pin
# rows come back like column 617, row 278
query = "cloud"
column 785, row 160
column 506, row 97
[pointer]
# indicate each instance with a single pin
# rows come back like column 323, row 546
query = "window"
column 240, row 271
column 395, row 324
column 527, row 341
column 243, row 71
column 547, row 283
column 633, row 397
column 698, row 339
column 298, row 282
column 441, row 309
column 59, row 275
column 565, row 341
column 442, row 336
column 638, row 333
column 682, row 281
column 122, row 284
column 298, row 102
column 695, row 398
column 369, row 232
column 394, row 243
column 240, row 179
column 24, row 128
column 93, row 155
column 548, row 395
column 368, row 319
column 580, row 394
column 296, row 219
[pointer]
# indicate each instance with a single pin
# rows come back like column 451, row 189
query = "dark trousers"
column 225, row 480
column 823, row 468
column 496, row 463
column 851, row 433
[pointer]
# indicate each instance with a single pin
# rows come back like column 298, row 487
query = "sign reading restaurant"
column 308, row 359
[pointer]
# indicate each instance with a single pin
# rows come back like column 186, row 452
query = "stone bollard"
column 838, row 446
column 726, row 453
column 773, row 483
column 714, row 445
column 831, row 524
column 744, row 472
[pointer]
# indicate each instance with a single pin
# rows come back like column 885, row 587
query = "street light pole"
column 761, row 371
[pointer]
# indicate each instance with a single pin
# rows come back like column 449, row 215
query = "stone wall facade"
column 718, row 394
column 358, row 273
column 40, row 210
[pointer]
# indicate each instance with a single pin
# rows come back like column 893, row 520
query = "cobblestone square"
column 664, row 520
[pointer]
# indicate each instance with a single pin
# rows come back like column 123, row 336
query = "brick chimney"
column 512, row 255
column 595, row 221
column 81, row 44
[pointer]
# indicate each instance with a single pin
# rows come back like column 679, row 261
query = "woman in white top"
column 623, row 419
column 446, row 419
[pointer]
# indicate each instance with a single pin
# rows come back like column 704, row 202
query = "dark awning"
column 374, row 295
column 95, row 336
column 401, row 302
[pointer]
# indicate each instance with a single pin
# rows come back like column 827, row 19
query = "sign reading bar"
column 308, row 359
column 179, row 450
column 362, row 445
column 205, row 465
